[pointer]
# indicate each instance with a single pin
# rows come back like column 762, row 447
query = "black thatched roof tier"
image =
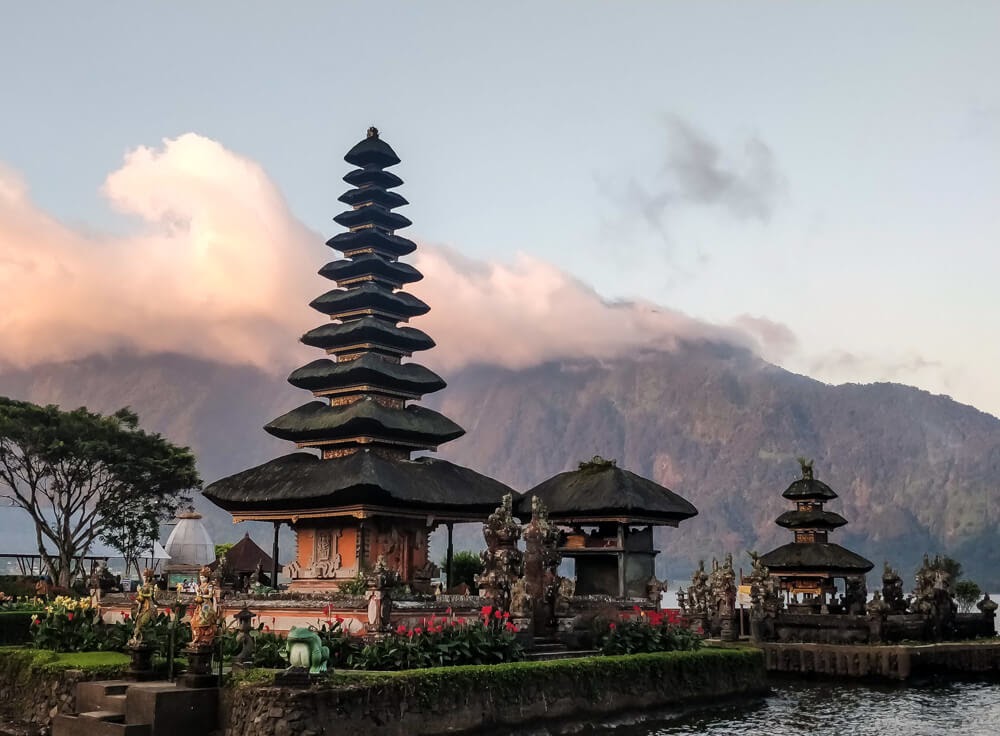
column 604, row 489
column 809, row 489
column 368, row 369
column 369, row 264
column 302, row 481
column 815, row 519
column 369, row 295
column 245, row 555
column 372, row 194
column 362, row 178
column 372, row 153
column 373, row 214
column 318, row 421
column 368, row 330
column 819, row 557
column 378, row 240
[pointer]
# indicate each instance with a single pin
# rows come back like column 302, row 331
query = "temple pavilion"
column 810, row 565
column 356, row 492
column 609, row 514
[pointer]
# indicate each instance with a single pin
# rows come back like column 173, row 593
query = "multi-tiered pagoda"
column 811, row 563
column 363, row 496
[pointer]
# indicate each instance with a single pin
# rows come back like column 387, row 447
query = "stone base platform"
column 894, row 662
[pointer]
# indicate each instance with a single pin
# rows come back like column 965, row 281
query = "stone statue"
column 856, row 596
column 654, row 590
column 379, row 595
column 502, row 560
column 304, row 649
column 987, row 605
column 520, row 600
column 566, row 590
column 204, row 612
column 892, row 590
column 143, row 610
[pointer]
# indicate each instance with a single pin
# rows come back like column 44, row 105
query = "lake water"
column 818, row 708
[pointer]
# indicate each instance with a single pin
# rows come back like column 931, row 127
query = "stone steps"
column 119, row 708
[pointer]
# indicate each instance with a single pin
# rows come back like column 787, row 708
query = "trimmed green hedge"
column 15, row 626
column 686, row 673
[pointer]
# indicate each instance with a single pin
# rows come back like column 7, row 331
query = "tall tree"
column 80, row 475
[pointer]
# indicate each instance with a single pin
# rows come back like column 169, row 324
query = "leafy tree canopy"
column 82, row 476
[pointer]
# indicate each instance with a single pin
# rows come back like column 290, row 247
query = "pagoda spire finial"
column 807, row 468
column 373, row 132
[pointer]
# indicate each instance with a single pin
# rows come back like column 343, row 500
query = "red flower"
column 461, row 620
column 506, row 614
column 168, row 611
column 339, row 619
column 69, row 616
column 486, row 610
column 326, row 610
column 497, row 614
column 612, row 626
column 37, row 622
column 448, row 611
column 418, row 631
column 266, row 628
column 401, row 629
column 438, row 629
column 636, row 609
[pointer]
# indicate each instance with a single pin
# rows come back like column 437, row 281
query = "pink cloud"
column 219, row 268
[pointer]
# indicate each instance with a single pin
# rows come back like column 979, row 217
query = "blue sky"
column 832, row 167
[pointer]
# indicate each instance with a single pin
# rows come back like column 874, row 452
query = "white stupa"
column 189, row 544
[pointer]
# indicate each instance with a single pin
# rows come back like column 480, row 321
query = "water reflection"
column 817, row 708
column 836, row 709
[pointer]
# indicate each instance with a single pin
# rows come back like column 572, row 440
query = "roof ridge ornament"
column 372, row 132
column 597, row 463
column 807, row 468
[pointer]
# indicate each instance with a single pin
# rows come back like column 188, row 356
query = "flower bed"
column 646, row 631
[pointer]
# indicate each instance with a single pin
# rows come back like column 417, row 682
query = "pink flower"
column 418, row 631
column 612, row 626
column 401, row 629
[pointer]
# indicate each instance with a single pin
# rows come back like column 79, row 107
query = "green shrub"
column 15, row 626
column 465, row 566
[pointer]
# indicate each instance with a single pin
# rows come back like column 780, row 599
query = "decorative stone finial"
column 807, row 468
column 373, row 132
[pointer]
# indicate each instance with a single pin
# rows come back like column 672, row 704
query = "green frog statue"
column 303, row 648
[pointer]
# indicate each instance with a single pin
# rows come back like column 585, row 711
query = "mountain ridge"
column 915, row 472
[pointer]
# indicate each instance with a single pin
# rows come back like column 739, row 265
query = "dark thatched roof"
column 245, row 555
column 367, row 369
column 317, row 420
column 373, row 195
column 815, row 519
column 602, row 489
column 372, row 152
column 809, row 489
column 819, row 557
column 302, row 481
column 372, row 177
column 374, row 214
column 369, row 296
column 394, row 245
column 365, row 264
column 368, row 329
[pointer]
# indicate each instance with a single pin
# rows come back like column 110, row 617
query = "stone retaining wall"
column 33, row 694
column 467, row 699
column 896, row 662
